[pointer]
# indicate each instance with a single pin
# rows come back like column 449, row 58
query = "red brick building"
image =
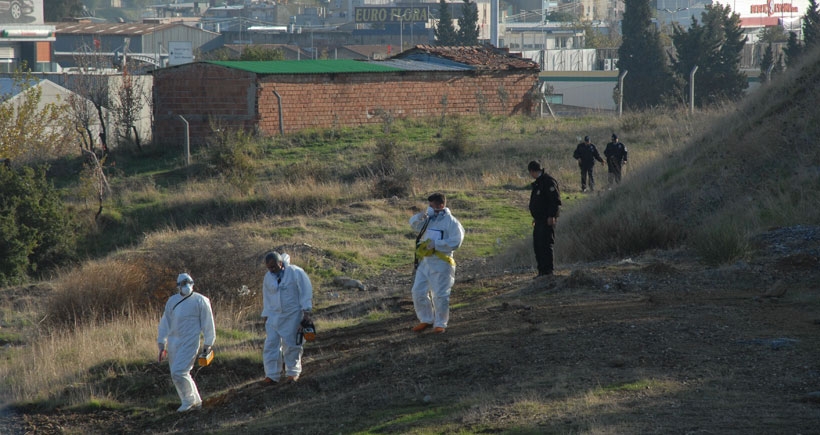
column 288, row 96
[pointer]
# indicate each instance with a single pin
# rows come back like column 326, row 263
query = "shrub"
column 392, row 178
column 102, row 291
column 457, row 144
column 35, row 230
column 232, row 154
column 720, row 243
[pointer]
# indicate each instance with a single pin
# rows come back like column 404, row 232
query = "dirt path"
column 655, row 344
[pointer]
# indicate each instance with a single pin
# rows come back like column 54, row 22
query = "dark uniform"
column 545, row 202
column 587, row 154
column 615, row 154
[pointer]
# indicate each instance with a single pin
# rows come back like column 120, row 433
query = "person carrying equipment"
column 287, row 299
column 187, row 315
column 440, row 233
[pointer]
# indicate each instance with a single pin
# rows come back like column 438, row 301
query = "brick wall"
column 203, row 93
column 356, row 99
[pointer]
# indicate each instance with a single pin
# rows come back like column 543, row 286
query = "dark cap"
column 534, row 165
column 586, row 138
column 437, row 197
column 614, row 136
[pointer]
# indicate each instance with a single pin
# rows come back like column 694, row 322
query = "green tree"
column 715, row 47
column 560, row 17
column 793, row 50
column 769, row 61
column 596, row 39
column 811, row 26
column 35, row 230
column 773, row 34
column 258, row 52
column 56, row 10
column 468, row 24
column 811, row 35
column 641, row 54
column 28, row 131
column 445, row 32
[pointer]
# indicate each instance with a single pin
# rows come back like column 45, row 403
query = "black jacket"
column 615, row 153
column 545, row 199
column 588, row 154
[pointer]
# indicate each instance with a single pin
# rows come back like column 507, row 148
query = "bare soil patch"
column 653, row 344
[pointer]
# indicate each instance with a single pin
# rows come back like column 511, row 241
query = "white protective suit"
column 434, row 274
column 283, row 300
column 182, row 322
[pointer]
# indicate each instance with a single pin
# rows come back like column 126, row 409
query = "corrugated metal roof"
column 341, row 66
column 69, row 28
column 479, row 57
column 10, row 87
column 415, row 65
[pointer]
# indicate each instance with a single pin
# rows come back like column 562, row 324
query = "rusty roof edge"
column 481, row 57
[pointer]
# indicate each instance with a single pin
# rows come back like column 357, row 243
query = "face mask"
column 186, row 289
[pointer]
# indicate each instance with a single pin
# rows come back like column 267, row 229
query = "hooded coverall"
column 435, row 274
column 284, row 298
column 180, row 326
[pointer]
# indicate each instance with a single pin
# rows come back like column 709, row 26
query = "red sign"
column 772, row 8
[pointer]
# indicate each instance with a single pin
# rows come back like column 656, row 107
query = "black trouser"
column 584, row 173
column 543, row 239
column 614, row 173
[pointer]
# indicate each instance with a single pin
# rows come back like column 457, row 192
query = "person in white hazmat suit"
column 440, row 233
column 287, row 299
column 187, row 315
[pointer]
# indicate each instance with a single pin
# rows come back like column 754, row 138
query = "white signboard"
column 767, row 8
column 21, row 12
column 180, row 52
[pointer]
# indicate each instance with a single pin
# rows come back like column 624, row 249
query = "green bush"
column 720, row 243
column 233, row 154
column 392, row 178
column 35, row 230
column 457, row 143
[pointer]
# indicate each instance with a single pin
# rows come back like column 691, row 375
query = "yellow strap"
column 421, row 252
column 446, row 258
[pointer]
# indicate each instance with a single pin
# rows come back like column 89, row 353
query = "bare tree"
column 83, row 117
column 93, row 177
column 91, row 82
column 128, row 106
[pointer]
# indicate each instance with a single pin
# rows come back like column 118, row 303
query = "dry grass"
column 61, row 357
column 689, row 182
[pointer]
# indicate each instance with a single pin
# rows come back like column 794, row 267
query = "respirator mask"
column 186, row 289
column 185, row 284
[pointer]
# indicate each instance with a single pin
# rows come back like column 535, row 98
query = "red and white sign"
column 767, row 8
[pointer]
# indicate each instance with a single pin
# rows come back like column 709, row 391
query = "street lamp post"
column 673, row 13
column 692, row 89
column 401, row 31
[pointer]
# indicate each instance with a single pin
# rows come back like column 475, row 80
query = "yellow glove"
column 426, row 248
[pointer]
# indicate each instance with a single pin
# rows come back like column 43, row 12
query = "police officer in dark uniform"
column 545, row 205
column 615, row 154
column 587, row 154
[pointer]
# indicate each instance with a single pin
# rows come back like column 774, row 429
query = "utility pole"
column 692, row 89
column 621, row 93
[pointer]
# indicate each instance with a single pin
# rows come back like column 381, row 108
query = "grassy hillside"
column 630, row 337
